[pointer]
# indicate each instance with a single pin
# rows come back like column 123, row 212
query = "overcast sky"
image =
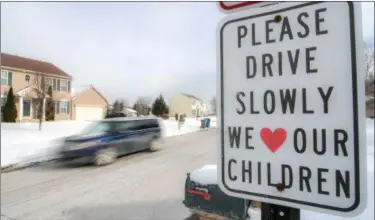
column 126, row 49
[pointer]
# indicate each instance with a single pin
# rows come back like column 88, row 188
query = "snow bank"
column 23, row 143
column 208, row 175
column 171, row 127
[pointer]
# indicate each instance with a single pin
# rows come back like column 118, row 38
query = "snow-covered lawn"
column 208, row 175
column 23, row 143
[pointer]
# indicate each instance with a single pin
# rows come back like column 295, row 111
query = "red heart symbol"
column 273, row 140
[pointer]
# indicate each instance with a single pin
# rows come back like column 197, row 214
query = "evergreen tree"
column 10, row 109
column 159, row 107
column 156, row 107
column 50, row 106
column 166, row 108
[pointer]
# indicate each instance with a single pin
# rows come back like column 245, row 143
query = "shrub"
column 10, row 109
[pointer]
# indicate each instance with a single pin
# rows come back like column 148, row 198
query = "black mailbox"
column 209, row 200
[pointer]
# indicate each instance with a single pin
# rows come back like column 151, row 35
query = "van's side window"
column 153, row 123
column 140, row 125
column 124, row 126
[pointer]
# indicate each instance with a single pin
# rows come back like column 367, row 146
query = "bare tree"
column 120, row 104
column 39, row 87
column 142, row 106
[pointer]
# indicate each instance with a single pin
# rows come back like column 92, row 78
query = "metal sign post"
column 277, row 212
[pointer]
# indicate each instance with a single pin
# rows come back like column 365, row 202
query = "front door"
column 26, row 108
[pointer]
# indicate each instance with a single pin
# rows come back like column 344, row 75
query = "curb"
column 15, row 167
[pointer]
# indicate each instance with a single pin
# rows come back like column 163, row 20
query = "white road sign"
column 291, row 115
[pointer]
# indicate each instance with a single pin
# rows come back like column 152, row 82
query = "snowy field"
column 23, row 143
column 207, row 175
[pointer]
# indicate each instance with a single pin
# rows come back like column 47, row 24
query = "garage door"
column 89, row 113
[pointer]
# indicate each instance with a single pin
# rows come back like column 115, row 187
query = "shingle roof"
column 191, row 96
column 31, row 64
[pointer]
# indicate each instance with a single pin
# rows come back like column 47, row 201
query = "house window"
column 62, row 107
column 4, row 77
column 3, row 102
column 54, row 84
column 63, row 85
column 27, row 77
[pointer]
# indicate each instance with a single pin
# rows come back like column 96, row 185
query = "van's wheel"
column 105, row 156
column 155, row 145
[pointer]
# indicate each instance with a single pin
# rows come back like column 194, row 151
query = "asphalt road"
column 140, row 186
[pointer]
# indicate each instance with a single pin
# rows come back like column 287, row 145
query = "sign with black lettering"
column 291, row 106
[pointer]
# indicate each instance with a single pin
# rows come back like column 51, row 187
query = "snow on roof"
column 205, row 175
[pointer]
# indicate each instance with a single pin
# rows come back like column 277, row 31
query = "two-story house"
column 187, row 104
column 24, row 76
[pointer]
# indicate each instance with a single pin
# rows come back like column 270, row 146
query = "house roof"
column 31, row 64
column 191, row 96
